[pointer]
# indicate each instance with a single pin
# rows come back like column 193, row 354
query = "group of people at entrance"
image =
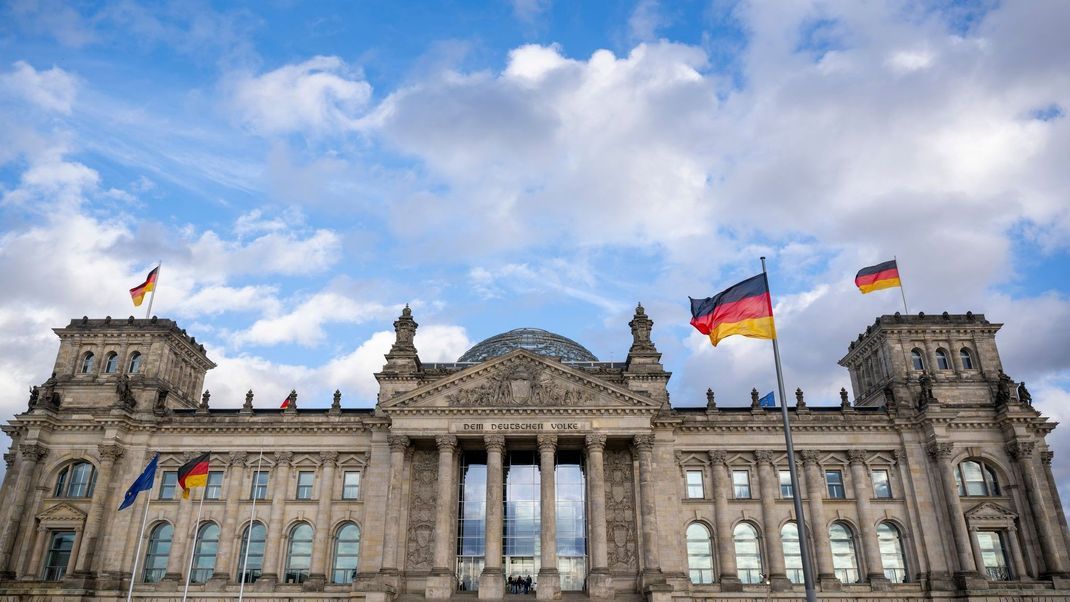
column 520, row 585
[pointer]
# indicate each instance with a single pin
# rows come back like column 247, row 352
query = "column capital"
column 857, row 456
column 445, row 442
column 547, row 443
column 595, row 441
column 397, row 442
column 33, row 452
column 718, row 456
column 110, row 452
column 328, row 457
column 940, row 450
column 494, row 442
column 237, row 458
column 1020, row 450
column 763, row 456
column 9, row 458
column 283, row 458
column 643, row 442
column 810, row 457
column 1046, row 457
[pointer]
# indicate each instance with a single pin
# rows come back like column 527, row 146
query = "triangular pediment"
column 61, row 512
column 989, row 511
column 520, row 379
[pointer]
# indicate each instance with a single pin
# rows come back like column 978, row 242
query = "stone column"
column 185, row 514
column 32, row 454
column 726, row 552
column 274, row 557
column 492, row 580
column 1020, row 572
column 599, row 581
column 109, row 454
column 863, row 489
column 441, row 582
column 1022, row 451
column 644, row 448
column 975, row 545
column 234, row 482
column 33, row 572
column 1046, row 458
column 321, row 538
column 941, row 453
column 769, row 485
column 815, row 493
column 399, row 445
column 549, row 587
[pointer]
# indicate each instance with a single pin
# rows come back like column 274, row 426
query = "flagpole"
column 249, row 530
column 159, row 268
column 901, row 291
column 808, row 568
column 193, row 550
column 137, row 553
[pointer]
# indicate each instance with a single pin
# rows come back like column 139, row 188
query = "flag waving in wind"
column 877, row 277
column 142, row 483
column 743, row 309
column 138, row 292
column 193, row 474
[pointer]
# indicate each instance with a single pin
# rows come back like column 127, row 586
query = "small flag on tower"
column 142, row 483
column 743, row 309
column 193, row 474
column 877, row 277
column 138, row 292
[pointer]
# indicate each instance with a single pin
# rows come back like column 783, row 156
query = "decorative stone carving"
column 9, row 459
column 763, row 456
column 755, row 403
column 1046, row 457
column 845, row 401
column 236, row 458
column 446, row 442
column 856, row 456
column 110, row 451
column 397, row 442
column 810, row 456
column 283, row 457
column 159, row 407
column 622, row 542
column 248, row 405
column 1020, row 450
column 940, row 449
column 800, row 401
column 33, row 452
column 125, row 396
column 711, row 402
column 643, row 442
column 35, row 393
column 547, row 443
column 336, row 401
column 48, row 396
column 494, row 442
column 291, row 406
column 1003, row 389
column 595, row 441
column 203, row 407
column 718, row 457
column 329, row 457
column 422, row 502
column 641, row 326
column 925, row 395
column 522, row 384
column 1023, row 394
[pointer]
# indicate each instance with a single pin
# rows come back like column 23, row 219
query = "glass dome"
column 535, row 340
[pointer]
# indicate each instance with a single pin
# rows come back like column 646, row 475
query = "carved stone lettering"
column 622, row 543
column 422, row 499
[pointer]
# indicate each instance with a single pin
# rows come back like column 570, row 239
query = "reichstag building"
column 530, row 457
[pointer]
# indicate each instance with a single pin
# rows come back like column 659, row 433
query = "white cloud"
column 304, row 324
column 51, row 90
column 529, row 10
column 645, row 21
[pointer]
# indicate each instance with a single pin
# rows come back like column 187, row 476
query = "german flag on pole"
column 193, row 474
column 877, row 277
column 138, row 292
column 743, row 309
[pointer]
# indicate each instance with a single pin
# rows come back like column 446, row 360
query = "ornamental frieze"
column 523, row 384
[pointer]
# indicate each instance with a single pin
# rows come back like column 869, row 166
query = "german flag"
column 193, row 474
column 138, row 292
column 877, row 277
column 743, row 309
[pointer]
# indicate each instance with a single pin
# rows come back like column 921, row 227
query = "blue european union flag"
column 769, row 401
column 142, row 483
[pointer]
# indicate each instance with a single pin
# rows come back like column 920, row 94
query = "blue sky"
column 305, row 169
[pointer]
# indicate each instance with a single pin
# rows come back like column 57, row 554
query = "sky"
column 304, row 170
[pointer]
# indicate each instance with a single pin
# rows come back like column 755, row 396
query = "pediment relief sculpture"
column 61, row 513
column 990, row 512
column 523, row 384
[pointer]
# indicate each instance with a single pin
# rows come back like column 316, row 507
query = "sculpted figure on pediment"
column 521, row 385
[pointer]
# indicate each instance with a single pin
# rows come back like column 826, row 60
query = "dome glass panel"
column 535, row 340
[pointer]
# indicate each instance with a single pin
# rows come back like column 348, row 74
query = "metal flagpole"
column 137, row 553
column 148, row 310
column 901, row 291
column 808, row 568
column 196, row 527
column 249, row 530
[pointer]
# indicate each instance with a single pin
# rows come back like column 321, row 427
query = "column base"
column 878, row 582
column 650, row 577
column 441, row 584
column 600, row 584
column 315, row 582
column 1059, row 580
column 780, row 583
column 109, row 580
column 658, row 592
column 549, row 587
column 492, row 584
column 829, row 583
column 970, row 581
column 730, row 583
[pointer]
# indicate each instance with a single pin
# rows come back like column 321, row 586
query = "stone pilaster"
column 399, row 445
column 441, row 582
column 109, row 454
column 599, row 581
column 273, row 554
column 863, row 489
column 1022, row 451
column 32, row 454
column 726, row 553
column 549, row 578
column 815, row 488
column 769, row 485
column 317, row 573
column 492, row 580
column 644, row 450
column 233, row 482
column 941, row 454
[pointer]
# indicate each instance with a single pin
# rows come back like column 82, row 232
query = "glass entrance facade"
column 571, row 490
column 473, row 513
column 521, row 546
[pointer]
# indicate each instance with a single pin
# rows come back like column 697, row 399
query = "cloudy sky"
column 303, row 171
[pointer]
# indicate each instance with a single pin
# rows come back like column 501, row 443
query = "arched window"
column 299, row 555
column 976, row 478
column 111, row 363
column 942, row 361
column 346, row 554
column 76, row 480
column 254, row 562
column 891, row 546
column 793, row 565
column 699, row 553
column 205, row 552
column 135, row 363
column 87, row 363
column 844, row 559
column 748, row 553
column 916, row 359
column 157, row 552
column 966, row 358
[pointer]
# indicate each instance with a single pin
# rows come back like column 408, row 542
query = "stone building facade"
column 529, row 457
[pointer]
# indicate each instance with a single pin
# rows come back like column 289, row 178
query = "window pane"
column 135, row 363
column 214, row 489
column 748, row 556
column 157, row 552
column 785, row 484
column 966, row 358
column 168, row 483
column 305, row 480
column 916, row 361
column 694, row 484
column 351, row 486
column 259, row 485
column 204, row 555
column 789, row 537
column 844, row 562
column 891, row 549
column 59, row 555
column 834, row 478
column 993, row 555
column 941, row 360
column 882, row 488
column 741, row 483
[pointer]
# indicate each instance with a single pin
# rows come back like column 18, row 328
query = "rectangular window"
column 785, row 484
column 741, row 484
column 59, row 555
column 351, row 485
column 168, row 484
column 994, row 555
column 882, row 487
column 260, row 485
column 834, row 479
column 214, row 489
column 694, row 485
column 305, row 479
